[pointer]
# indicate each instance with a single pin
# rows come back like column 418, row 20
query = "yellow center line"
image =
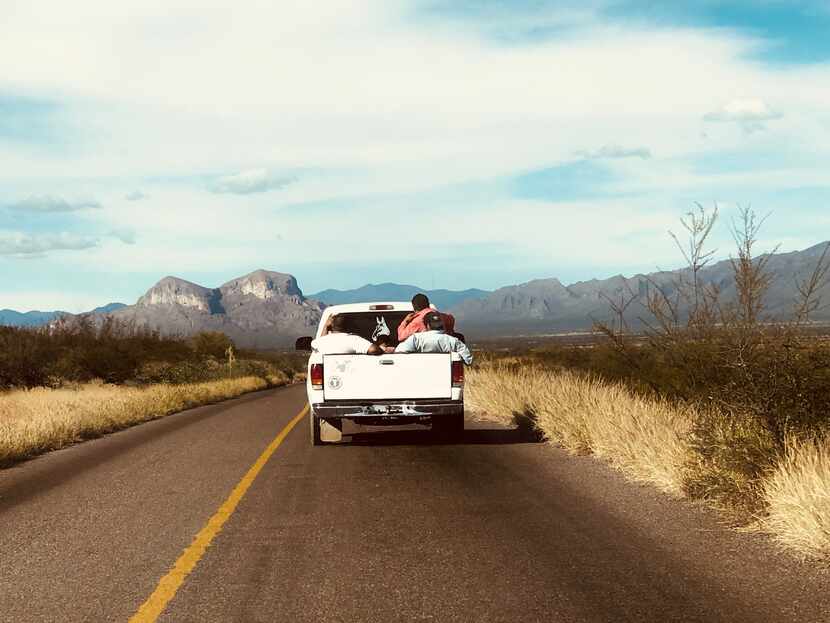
column 168, row 585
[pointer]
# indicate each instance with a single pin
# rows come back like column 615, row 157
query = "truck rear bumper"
column 387, row 408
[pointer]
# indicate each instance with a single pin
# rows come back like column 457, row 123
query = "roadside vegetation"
column 38, row 420
column 708, row 397
column 67, row 383
column 119, row 354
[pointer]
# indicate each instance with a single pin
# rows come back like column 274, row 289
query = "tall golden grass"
column 797, row 494
column 33, row 421
column 657, row 442
column 648, row 440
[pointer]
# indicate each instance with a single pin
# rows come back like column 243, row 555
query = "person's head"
column 434, row 322
column 384, row 340
column 419, row 302
column 338, row 324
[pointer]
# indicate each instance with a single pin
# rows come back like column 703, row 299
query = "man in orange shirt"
column 414, row 322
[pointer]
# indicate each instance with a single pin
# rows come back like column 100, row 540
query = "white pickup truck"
column 398, row 388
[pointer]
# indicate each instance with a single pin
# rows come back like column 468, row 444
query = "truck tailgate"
column 370, row 377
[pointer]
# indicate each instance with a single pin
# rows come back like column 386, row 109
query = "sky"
column 442, row 143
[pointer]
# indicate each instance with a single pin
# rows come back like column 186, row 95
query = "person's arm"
column 449, row 323
column 407, row 346
column 416, row 325
column 383, row 343
column 362, row 346
column 461, row 349
column 403, row 333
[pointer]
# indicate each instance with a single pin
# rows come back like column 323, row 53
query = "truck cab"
column 388, row 389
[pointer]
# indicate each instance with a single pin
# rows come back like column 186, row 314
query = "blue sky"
column 787, row 32
column 456, row 144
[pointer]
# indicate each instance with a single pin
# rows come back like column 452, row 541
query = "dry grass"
column 797, row 494
column 732, row 454
column 646, row 439
column 38, row 420
column 722, row 458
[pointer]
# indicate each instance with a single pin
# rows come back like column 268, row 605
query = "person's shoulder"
column 411, row 339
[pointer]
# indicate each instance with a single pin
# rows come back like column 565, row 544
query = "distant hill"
column 546, row 305
column 442, row 299
column 11, row 318
column 263, row 309
column 110, row 307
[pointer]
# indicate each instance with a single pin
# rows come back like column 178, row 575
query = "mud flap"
column 329, row 433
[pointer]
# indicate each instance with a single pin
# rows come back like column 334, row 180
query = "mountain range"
column 9, row 317
column 443, row 299
column 546, row 305
column 267, row 309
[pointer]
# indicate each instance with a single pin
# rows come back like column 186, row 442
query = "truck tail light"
column 457, row 372
column 317, row 376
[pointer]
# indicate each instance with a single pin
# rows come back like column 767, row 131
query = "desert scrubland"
column 714, row 398
column 64, row 384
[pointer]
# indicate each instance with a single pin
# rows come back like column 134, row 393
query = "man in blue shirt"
column 435, row 340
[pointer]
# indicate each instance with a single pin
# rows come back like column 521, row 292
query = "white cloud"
column 744, row 110
column 369, row 103
column 48, row 203
column 136, row 195
column 750, row 114
column 354, row 84
column 126, row 235
column 248, row 182
column 613, row 152
column 25, row 245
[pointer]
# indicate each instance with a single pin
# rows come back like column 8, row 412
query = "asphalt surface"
column 385, row 526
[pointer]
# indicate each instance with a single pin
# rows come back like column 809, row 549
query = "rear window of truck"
column 372, row 325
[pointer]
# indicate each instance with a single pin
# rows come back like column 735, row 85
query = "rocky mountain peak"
column 549, row 285
column 263, row 309
column 175, row 291
column 265, row 285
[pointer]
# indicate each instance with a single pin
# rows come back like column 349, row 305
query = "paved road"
column 386, row 527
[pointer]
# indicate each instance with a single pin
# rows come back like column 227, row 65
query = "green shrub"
column 79, row 352
column 211, row 344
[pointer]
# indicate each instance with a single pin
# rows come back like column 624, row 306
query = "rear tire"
column 315, row 430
